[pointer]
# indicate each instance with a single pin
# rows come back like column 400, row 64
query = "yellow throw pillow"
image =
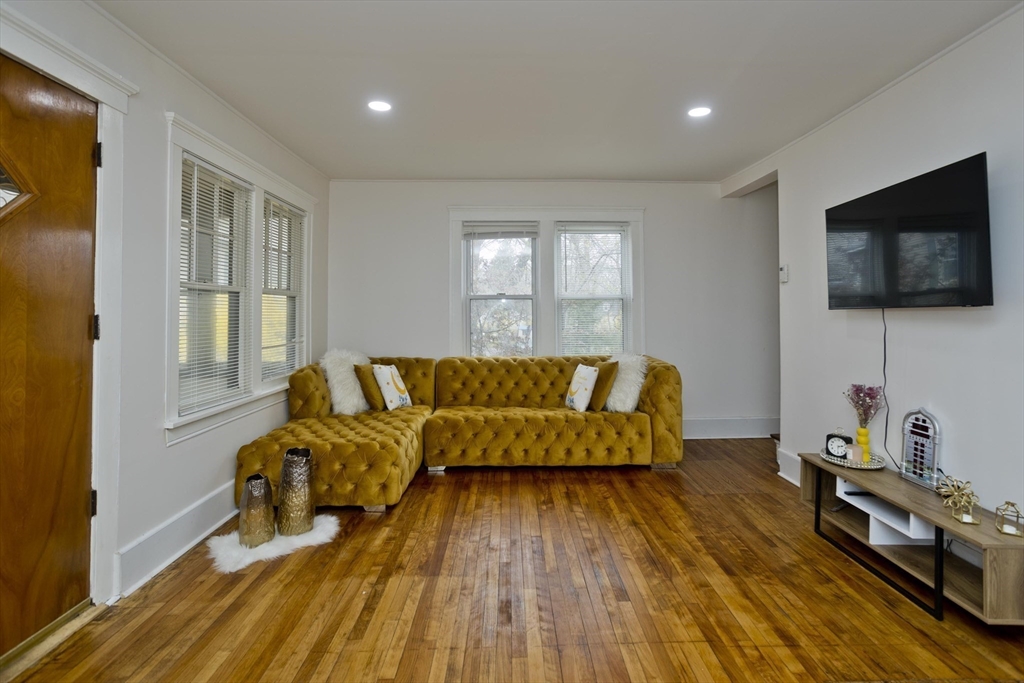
column 392, row 387
column 372, row 393
column 606, row 372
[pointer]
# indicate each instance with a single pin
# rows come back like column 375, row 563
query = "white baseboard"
column 729, row 427
column 146, row 556
column 789, row 466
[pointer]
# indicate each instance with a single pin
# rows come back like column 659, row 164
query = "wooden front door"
column 47, row 236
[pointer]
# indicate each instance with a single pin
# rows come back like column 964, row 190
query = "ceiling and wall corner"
column 546, row 90
column 962, row 364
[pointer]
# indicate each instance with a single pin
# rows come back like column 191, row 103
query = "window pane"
column 591, row 326
column 591, row 264
column 210, row 356
column 500, row 265
column 501, row 327
column 279, row 335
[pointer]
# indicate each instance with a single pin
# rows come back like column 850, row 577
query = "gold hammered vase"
column 256, row 512
column 295, row 504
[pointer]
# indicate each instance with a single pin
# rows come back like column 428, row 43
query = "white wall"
column 709, row 274
column 964, row 365
column 170, row 495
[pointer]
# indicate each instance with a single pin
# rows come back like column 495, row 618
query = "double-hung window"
column 283, row 303
column 237, row 298
column 214, row 287
column 501, row 287
column 546, row 280
column 593, row 288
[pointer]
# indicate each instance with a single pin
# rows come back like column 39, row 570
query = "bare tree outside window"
column 593, row 291
column 500, row 288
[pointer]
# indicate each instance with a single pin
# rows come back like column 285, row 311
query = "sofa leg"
column 664, row 465
column 439, row 468
column 374, row 508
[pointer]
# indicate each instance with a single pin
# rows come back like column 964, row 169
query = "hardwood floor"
column 711, row 573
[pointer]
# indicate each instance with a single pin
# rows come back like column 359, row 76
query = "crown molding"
column 175, row 121
column 25, row 40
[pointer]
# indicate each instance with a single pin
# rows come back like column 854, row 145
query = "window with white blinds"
column 593, row 288
column 214, row 340
column 283, row 301
column 501, row 287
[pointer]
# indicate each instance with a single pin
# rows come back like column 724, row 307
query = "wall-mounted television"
column 920, row 243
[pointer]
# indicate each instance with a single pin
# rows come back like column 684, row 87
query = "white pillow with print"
column 581, row 388
column 392, row 386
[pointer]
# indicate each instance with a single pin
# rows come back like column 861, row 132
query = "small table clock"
column 836, row 443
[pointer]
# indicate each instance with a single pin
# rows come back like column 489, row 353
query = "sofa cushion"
column 475, row 435
column 371, row 390
column 363, row 459
column 606, row 373
column 540, row 382
column 308, row 395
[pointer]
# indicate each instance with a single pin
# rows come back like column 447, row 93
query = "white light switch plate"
column 784, row 273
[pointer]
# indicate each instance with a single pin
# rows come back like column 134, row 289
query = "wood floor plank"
column 709, row 572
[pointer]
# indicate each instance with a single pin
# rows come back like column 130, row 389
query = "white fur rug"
column 229, row 556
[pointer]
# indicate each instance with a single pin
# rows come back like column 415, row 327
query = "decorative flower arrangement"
column 867, row 401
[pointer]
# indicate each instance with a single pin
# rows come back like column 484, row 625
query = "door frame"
column 41, row 50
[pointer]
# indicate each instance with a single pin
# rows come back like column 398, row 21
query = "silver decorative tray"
column 876, row 463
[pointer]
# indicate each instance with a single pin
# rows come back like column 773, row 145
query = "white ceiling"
column 546, row 90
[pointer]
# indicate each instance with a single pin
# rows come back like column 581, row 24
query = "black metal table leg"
column 934, row 609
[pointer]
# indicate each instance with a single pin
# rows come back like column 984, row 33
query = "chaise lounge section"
column 367, row 459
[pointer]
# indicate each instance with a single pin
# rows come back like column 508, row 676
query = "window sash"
column 577, row 344
column 283, row 277
column 495, row 231
column 213, row 288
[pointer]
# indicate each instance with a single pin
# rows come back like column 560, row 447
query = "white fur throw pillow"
column 339, row 369
column 625, row 393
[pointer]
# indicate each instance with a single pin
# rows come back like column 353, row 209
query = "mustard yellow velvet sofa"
column 366, row 459
column 511, row 411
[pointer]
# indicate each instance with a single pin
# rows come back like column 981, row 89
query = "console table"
column 907, row 525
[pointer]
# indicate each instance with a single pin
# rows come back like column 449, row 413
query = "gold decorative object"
column 256, row 512
column 960, row 498
column 1009, row 519
column 950, row 486
column 295, row 514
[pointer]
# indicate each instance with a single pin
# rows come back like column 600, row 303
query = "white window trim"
column 545, row 321
column 183, row 136
column 627, row 297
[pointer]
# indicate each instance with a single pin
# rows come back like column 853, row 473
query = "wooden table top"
column 888, row 485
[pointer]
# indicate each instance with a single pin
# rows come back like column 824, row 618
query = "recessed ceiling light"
column 699, row 111
column 377, row 105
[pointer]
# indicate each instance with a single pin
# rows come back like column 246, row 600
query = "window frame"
column 468, row 299
column 626, row 296
column 545, row 321
column 184, row 137
column 300, row 295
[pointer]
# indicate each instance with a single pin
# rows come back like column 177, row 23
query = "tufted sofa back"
column 535, row 382
column 309, row 396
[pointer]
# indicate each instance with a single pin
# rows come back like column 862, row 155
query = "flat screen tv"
column 920, row 243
